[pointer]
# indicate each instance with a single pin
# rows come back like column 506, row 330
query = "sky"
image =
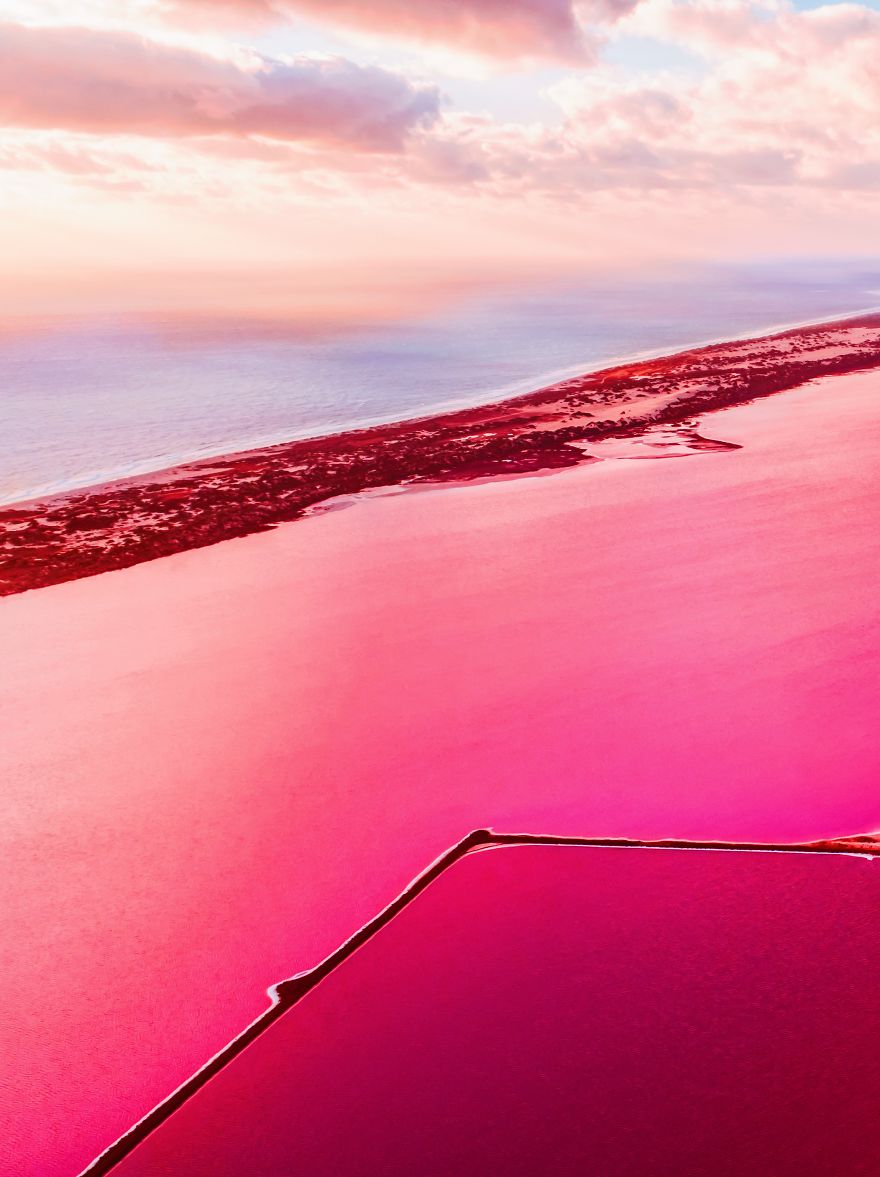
column 331, row 157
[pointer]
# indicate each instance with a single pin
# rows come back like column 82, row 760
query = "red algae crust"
column 120, row 524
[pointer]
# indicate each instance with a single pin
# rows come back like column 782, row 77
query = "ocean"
column 102, row 398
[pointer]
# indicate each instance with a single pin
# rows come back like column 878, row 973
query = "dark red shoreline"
column 195, row 505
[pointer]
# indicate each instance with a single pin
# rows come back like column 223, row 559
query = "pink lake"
column 570, row 1012
column 216, row 766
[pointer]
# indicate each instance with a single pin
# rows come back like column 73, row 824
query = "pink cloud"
column 115, row 82
column 511, row 30
column 332, row 128
column 784, row 99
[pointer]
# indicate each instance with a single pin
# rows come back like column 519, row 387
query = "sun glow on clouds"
column 142, row 141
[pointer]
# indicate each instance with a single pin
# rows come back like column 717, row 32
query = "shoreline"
column 286, row 994
column 166, row 464
column 121, row 523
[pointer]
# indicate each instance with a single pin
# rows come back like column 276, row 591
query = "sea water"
column 87, row 401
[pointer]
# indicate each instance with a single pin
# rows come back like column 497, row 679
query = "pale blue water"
column 80, row 404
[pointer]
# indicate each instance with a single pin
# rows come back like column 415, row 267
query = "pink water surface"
column 570, row 1012
column 217, row 765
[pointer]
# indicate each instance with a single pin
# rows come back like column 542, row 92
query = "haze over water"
column 95, row 399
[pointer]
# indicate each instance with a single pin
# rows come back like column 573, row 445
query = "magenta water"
column 570, row 1011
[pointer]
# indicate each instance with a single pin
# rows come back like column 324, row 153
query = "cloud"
column 505, row 30
column 783, row 99
column 111, row 82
